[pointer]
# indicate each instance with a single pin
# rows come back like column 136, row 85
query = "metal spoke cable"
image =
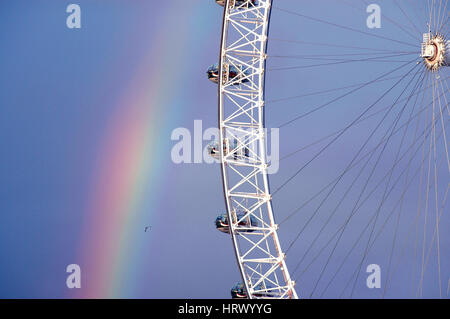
column 373, row 228
column 346, row 94
column 343, row 27
column 444, row 132
column 443, row 22
column 353, row 166
column 426, row 219
column 438, row 18
column 335, row 208
column 331, row 45
column 436, row 192
column 334, row 55
column 364, row 187
column 420, row 13
column 409, row 233
column 394, row 240
column 373, row 216
column 269, row 102
column 337, row 63
column 343, row 197
column 340, row 130
column 358, row 240
column 448, row 287
column 407, row 17
column 398, row 25
column 345, row 129
column 442, row 87
column 374, row 189
column 389, row 216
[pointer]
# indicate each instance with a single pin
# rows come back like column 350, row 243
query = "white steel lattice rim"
column 259, row 255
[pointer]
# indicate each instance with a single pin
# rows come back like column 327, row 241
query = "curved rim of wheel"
column 246, row 187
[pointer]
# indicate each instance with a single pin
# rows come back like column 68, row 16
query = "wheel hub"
column 434, row 51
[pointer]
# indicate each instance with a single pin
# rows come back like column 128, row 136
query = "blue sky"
column 60, row 89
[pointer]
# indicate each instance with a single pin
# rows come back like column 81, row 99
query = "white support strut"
column 244, row 167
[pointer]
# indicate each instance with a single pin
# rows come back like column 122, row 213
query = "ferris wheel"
column 374, row 176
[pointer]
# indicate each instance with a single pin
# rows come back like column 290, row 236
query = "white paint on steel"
column 245, row 182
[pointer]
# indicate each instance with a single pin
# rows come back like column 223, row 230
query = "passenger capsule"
column 238, row 291
column 239, row 153
column 246, row 223
column 213, row 149
column 213, row 73
column 236, row 2
column 222, row 223
column 267, row 292
column 233, row 74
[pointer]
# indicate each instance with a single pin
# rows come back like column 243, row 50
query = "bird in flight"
column 147, row 227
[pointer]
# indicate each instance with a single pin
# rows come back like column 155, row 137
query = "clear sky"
column 86, row 117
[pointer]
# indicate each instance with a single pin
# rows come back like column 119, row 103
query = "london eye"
column 365, row 111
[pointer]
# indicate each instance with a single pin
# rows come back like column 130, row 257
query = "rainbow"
column 131, row 163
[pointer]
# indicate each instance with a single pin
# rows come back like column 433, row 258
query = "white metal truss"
column 244, row 167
